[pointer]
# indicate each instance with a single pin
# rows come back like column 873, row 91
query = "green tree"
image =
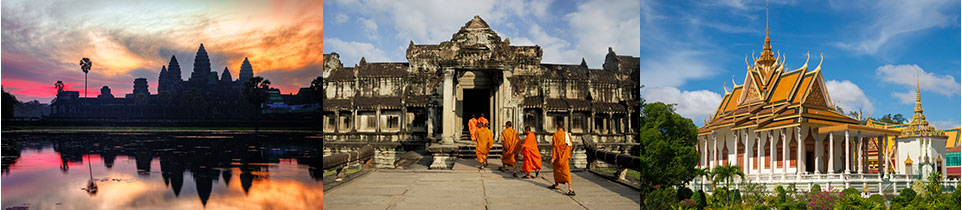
column 726, row 174
column 667, row 148
column 255, row 91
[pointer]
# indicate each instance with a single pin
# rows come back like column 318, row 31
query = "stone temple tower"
column 201, row 73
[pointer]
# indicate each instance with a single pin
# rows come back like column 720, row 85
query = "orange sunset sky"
column 43, row 42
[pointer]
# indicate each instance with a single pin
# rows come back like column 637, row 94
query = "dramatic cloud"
column 44, row 40
column 352, row 52
column 696, row 105
column 906, row 75
column 849, row 96
column 893, row 18
column 565, row 36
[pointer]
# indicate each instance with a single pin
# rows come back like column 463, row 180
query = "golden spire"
column 767, row 57
column 919, row 126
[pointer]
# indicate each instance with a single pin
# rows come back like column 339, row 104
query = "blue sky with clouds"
column 379, row 30
column 872, row 51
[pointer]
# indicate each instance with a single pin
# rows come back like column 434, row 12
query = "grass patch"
column 630, row 173
column 349, row 171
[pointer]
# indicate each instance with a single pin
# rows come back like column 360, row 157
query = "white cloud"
column 599, row 24
column 341, row 18
column 907, row 97
column 675, row 68
column 696, row 105
column 849, row 96
column 894, row 18
column 369, row 27
column 555, row 50
column 906, row 74
column 945, row 124
column 351, row 52
column 593, row 27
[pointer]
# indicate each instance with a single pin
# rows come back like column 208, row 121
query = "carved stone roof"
column 342, row 74
column 371, row 103
column 607, row 107
column 579, row 104
column 416, row 101
column 555, row 104
column 368, row 70
column 335, row 104
column 532, row 102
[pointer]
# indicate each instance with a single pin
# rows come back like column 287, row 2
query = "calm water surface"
column 160, row 171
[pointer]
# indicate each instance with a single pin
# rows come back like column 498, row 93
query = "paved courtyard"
column 467, row 188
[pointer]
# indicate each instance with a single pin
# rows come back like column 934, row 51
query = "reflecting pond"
column 166, row 170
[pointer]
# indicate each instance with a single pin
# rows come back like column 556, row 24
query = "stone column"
column 747, row 153
column 447, row 112
column 861, row 144
column 784, row 153
column 714, row 148
column 735, row 145
column 771, row 156
column 800, row 153
column 831, row 153
column 759, row 158
column 848, row 154
column 818, row 154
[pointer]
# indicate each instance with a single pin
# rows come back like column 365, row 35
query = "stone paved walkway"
column 467, row 188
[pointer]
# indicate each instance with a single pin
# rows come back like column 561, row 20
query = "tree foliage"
column 667, row 144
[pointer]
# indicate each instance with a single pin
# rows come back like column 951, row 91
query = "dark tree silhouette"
column 255, row 91
column 85, row 65
column 59, row 86
column 317, row 95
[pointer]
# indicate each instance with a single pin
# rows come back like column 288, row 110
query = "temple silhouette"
column 204, row 95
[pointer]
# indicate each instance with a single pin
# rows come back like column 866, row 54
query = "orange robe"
column 473, row 128
column 483, row 145
column 561, row 153
column 483, row 120
column 509, row 144
column 532, row 156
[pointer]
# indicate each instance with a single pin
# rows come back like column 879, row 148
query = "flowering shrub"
column 823, row 199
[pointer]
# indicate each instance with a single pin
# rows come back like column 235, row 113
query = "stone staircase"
column 466, row 148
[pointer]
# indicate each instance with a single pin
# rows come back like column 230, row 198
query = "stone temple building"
column 427, row 101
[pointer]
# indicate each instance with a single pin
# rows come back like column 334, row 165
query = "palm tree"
column 706, row 172
column 85, row 65
column 59, row 86
column 727, row 173
column 255, row 91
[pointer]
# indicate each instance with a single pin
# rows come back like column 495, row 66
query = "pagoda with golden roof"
column 780, row 126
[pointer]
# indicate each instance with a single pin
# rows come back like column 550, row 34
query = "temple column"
column 831, row 153
column 771, row 154
column 758, row 158
column 714, row 148
column 735, row 145
column 882, row 157
column 818, row 155
column 848, row 154
column 447, row 112
column 800, row 167
column 377, row 118
column 784, row 153
column 861, row 153
column 747, row 153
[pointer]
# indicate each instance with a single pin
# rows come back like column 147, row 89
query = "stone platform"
column 465, row 187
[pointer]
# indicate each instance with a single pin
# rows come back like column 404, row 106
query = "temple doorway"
column 476, row 102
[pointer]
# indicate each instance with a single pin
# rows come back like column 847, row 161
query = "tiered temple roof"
column 772, row 97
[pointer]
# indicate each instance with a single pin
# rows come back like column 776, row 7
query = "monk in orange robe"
column 483, row 145
column 510, row 145
column 473, row 128
column 531, row 154
column 560, row 155
column 483, row 120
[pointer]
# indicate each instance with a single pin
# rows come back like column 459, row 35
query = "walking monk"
column 483, row 145
column 483, row 120
column 532, row 156
column 473, row 128
column 510, row 145
column 560, row 154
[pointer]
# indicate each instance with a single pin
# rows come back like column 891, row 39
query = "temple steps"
column 466, row 148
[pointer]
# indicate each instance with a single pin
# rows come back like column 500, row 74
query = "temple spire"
column 768, row 57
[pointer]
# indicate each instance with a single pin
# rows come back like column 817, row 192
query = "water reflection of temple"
column 208, row 159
